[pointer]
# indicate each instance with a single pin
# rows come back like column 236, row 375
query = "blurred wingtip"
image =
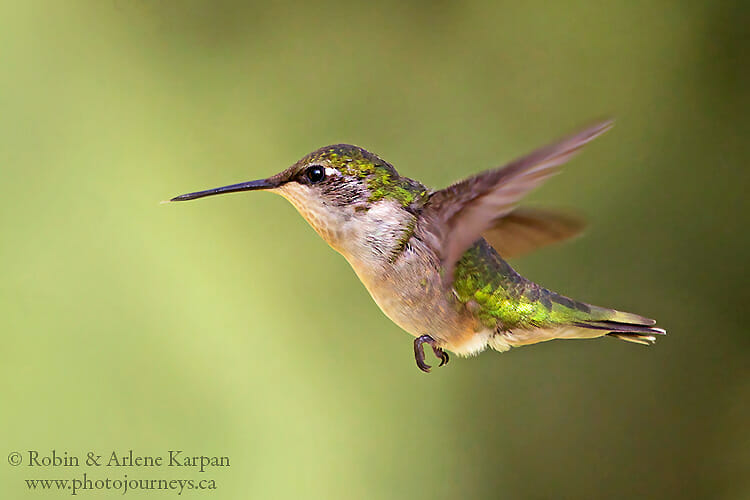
column 598, row 127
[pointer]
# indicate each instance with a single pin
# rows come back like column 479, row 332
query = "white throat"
column 366, row 238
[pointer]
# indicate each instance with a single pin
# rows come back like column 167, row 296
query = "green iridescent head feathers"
column 381, row 179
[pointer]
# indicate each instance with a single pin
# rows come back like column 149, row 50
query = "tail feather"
column 636, row 338
column 638, row 331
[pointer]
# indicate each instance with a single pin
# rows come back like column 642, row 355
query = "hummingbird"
column 434, row 260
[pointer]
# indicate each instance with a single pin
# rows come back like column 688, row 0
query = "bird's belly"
column 413, row 314
column 418, row 303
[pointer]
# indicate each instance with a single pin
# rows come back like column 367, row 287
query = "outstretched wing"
column 468, row 208
column 526, row 229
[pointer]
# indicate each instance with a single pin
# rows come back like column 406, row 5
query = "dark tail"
column 635, row 329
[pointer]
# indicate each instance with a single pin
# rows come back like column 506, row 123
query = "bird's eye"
column 315, row 173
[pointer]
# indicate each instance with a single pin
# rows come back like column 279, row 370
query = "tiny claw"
column 440, row 353
column 419, row 352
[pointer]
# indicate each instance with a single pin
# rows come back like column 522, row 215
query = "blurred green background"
column 227, row 327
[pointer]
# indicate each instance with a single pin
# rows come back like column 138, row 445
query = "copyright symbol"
column 15, row 458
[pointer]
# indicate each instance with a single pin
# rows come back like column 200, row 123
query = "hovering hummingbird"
column 433, row 261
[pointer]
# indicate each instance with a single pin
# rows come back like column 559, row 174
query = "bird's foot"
column 437, row 350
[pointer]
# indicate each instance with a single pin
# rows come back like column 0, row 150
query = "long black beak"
column 242, row 186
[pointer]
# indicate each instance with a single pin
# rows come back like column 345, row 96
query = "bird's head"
column 341, row 190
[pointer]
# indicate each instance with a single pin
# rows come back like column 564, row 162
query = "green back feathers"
column 494, row 291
